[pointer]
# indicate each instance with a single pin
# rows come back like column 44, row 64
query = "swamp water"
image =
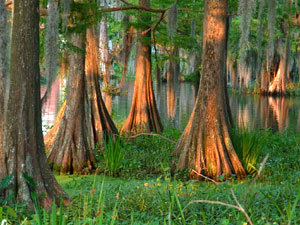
column 175, row 106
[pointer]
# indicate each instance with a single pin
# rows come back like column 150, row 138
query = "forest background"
column 211, row 173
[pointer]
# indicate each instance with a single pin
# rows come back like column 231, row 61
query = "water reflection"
column 259, row 112
column 176, row 103
column 52, row 104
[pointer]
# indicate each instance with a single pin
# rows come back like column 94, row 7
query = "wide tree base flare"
column 205, row 146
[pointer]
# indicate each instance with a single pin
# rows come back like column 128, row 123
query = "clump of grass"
column 113, row 155
column 248, row 145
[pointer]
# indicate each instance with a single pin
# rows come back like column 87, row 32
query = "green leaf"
column 29, row 180
column 5, row 181
column 10, row 212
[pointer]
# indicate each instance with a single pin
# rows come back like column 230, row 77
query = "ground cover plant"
column 147, row 189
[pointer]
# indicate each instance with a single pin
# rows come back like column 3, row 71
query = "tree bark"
column 23, row 146
column 127, row 46
column 264, row 77
column 4, row 39
column 259, row 42
column 105, row 52
column 233, row 70
column 101, row 122
column 278, row 84
column 71, row 151
column 143, row 115
column 87, row 119
column 205, row 146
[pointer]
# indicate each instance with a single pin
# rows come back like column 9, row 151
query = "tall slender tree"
column 4, row 39
column 259, row 42
column 127, row 46
column 102, row 124
column 143, row 115
column 23, row 154
column 205, row 146
column 4, row 34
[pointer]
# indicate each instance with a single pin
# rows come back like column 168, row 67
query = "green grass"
column 249, row 146
column 145, row 192
column 113, row 155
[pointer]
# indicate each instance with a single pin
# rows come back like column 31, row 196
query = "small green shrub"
column 248, row 146
column 113, row 155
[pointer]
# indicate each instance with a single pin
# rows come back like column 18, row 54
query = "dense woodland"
column 89, row 169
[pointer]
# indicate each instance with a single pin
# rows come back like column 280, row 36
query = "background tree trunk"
column 127, row 46
column 105, row 58
column 205, row 145
column 259, row 42
column 24, row 151
column 101, row 122
column 143, row 115
column 233, row 70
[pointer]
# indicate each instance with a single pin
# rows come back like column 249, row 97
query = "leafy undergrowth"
column 146, row 191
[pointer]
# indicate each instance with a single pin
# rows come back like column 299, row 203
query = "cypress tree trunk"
column 101, row 122
column 205, row 145
column 278, row 84
column 105, row 52
column 233, row 70
column 87, row 120
column 143, row 115
column 264, row 80
column 4, row 39
column 259, row 42
column 71, row 151
column 49, row 138
column 23, row 146
column 127, row 46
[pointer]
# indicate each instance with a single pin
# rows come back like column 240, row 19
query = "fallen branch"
column 241, row 208
column 150, row 134
column 207, row 178
column 238, row 206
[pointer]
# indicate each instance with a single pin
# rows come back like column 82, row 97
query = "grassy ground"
column 146, row 190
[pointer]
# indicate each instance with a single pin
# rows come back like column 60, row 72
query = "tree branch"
column 131, row 6
column 162, row 16
column 205, row 177
column 238, row 206
column 124, row 8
